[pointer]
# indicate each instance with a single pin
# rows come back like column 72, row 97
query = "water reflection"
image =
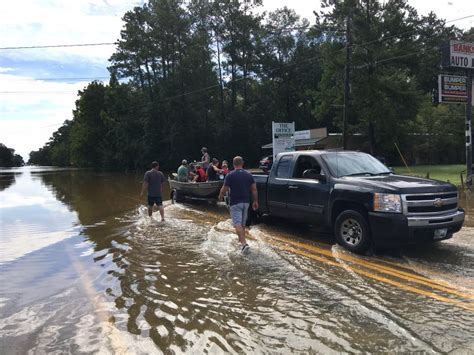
column 31, row 218
column 6, row 180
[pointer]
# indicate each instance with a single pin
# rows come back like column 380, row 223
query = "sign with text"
column 283, row 137
column 459, row 55
column 306, row 134
column 452, row 88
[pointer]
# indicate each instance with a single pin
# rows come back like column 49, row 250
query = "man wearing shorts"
column 241, row 185
column 153, row 182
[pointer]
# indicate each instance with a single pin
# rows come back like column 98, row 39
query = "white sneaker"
column 245, row 248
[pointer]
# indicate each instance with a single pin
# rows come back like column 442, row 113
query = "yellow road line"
column 117, row 344
column 281, row 244
column 468, row 306
column 381, row 268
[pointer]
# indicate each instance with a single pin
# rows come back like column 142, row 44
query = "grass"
column 438, row 172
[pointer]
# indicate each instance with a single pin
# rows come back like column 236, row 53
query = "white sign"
column 461, row 54
column 452, row 89
column 283, row 137
column 303, row 134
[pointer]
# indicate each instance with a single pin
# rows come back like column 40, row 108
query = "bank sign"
column 283, row 137
column 459, row 55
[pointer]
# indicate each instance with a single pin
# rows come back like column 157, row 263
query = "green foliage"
column 187, row 74
column 8, row 158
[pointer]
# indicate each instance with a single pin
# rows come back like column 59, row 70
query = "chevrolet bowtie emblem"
column 438, row 202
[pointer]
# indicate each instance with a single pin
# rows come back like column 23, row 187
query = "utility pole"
column 347, row 78
column 221, row 85
column 469, row 129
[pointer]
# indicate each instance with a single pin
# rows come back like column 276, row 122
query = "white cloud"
column 30, row 110
column 40, row 22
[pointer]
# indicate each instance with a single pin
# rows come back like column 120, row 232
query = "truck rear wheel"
column 352, row 231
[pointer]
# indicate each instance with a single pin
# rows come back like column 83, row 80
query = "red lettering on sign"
column 465, row 48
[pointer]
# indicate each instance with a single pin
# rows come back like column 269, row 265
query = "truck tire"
column 352, row 231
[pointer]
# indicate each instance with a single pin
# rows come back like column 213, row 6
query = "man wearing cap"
column 241, row 186
column 183, row 171
column 153, row 182
column 205, row 159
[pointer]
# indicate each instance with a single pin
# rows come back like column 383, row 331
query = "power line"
column 52, row 125
column 61, row 46
column 62, row 79
column 283, row 30
column 407, row 32
column 38, row 92
column 409, row 54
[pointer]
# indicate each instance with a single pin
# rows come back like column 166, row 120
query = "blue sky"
column 32, row 108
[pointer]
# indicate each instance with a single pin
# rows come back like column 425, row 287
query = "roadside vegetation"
column 8, row 158
column 449, row 173
column 187, row 74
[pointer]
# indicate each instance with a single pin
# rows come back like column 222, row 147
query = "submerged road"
column 84, row 270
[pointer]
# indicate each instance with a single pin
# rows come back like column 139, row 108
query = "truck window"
column 283, row 169
column 304, row 163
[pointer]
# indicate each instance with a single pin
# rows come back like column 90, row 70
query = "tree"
column 88, row 126
column 187, row 74
column 8, row 158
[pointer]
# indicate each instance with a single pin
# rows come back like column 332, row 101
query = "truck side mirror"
column 314, row 174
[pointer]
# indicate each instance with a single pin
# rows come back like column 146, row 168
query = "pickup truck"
column 359, row 198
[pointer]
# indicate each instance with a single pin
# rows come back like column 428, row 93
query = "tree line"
column 187, row 74
column 8, row 158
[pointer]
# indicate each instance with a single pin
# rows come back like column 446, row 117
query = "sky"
column 35, row 98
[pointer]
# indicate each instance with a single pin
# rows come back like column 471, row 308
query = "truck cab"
column 359, row 198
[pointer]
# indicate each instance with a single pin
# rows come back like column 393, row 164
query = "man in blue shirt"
column 241, row 185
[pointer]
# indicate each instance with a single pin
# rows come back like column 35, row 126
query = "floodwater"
column 83, row 271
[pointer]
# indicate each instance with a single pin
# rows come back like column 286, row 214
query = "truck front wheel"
column 352, row 231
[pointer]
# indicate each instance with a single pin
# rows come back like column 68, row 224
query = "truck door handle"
column 292, row 187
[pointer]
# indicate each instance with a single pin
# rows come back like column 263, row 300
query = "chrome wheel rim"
column 351, row 232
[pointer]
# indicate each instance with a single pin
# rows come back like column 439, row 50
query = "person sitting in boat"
column 225, row 167
column 200, row 174
column 183, row 171
column 191, row 171
column 213, row 170
column 224, row 170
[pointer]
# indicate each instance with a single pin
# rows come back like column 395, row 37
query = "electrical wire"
column 60, row 46
column 406, row 32
column 283, row 30
column 62, row 79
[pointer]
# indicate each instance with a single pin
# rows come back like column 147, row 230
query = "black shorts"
column 152, row 200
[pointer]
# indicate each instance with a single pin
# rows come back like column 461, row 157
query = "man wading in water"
column 241, row 185
column 153, row 182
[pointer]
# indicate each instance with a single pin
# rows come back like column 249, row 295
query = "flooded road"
column 84, row 270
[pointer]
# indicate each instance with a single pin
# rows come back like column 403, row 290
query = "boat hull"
column 208, row 189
